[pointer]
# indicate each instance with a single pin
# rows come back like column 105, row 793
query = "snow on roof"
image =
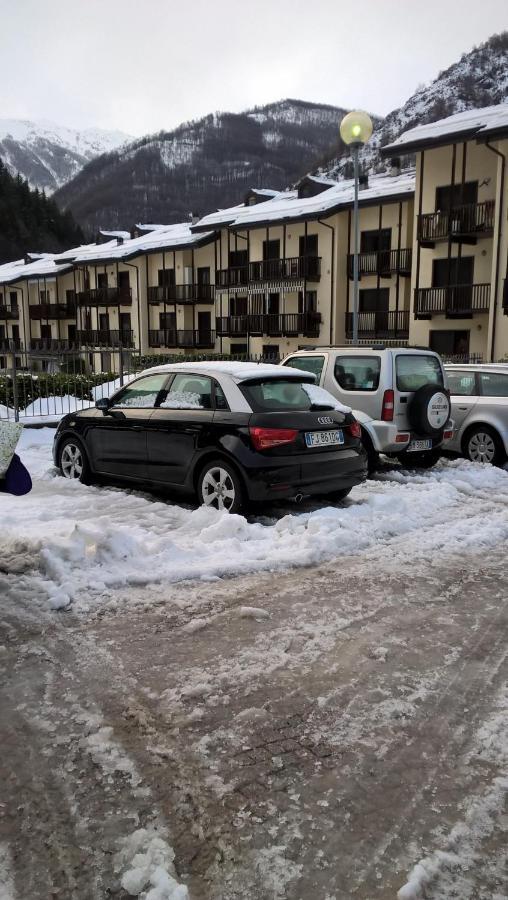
column 238, row 371
column 163, row 237
column 287, row 206
column 123, row 235
column 231, row 213
column 45, row 267
column 475, row 122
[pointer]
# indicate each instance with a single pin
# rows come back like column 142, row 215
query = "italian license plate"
column 323, row 438
column 420, row 445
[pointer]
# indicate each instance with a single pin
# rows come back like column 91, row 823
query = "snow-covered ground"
column 88, row 541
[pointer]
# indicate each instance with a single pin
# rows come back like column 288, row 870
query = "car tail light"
column 388, row 404
column 355, row 429
column 402, row 437
column 264, row 438
column 448, row 434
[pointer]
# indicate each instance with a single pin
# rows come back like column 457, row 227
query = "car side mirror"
column 102, row 403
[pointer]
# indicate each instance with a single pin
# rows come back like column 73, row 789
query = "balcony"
column 105, row 338
column 286, row 269
column 455, row 301
column 186, row 338
column 8, row 345
column 182, row 293
column 52, row 311
column 462, row 224
column 105, row 296
column 275, row 325
column 382, row 262
column 380, row 324
column 9, row 312
column 233, row 277
column 51, row 345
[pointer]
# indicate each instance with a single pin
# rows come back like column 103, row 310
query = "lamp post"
column 355, row 130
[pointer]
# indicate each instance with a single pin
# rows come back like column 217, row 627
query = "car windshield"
column 286, row 393
column 413, row 371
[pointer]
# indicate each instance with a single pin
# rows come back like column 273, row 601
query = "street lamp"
column 355, row 130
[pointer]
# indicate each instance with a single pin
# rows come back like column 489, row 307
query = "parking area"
column 310, row 703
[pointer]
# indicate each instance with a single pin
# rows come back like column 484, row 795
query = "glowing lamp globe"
column 356, row 127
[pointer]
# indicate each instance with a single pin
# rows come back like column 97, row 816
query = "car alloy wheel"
column 71, row 461
column 218, row 488
column 481, row 447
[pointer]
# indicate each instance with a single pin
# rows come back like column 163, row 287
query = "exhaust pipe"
column 298, row 498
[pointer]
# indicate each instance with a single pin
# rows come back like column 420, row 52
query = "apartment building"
column 460, row 250
column 275, row 272
column 285, row 272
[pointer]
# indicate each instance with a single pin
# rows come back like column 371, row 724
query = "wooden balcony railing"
column 380, row 324
column 9, row 312
column 52, row 311
column 105, row 296
column 382, row 262
column 454, row 300
column 181, row 293
column 9, row 345
column 172, row 337
column 51, row 345
column 236, row 275
column 276, row 325
column 285, row 269
column 105, row 338
column 470, row 220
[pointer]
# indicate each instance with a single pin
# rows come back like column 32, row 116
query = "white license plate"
column 420, row 445
column 322, row 438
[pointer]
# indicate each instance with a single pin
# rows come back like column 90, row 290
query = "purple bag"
column 17, row 478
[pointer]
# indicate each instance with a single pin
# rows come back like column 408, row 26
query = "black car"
column 228, row 432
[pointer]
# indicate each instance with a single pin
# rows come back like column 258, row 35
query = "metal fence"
column 41, row 387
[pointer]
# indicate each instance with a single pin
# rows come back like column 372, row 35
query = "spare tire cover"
column 429, row 410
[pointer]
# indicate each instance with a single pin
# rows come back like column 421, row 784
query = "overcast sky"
column 144, row 65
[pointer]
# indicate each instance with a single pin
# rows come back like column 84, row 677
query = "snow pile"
column 320, row 397
column 443, row 871
column 88, row 540
column 6, row 880
column 145, row 863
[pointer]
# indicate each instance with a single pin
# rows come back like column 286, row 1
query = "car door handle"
column 463, row 408
column 136, row 428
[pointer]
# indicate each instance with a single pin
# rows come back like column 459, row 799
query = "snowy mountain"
column 202, row 165
column 48, row 155
column 479, row 78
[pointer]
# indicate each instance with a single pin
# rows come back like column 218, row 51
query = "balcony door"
column 456, row 275
column 374, row 307
column 125, row 327
column 204, row 335
column 271, row 259
column 124, row 285
column 376, row 247
column 449, row 343
column 453, row 195
column 104, row 328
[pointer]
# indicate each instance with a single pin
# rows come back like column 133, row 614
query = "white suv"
column 399, row 395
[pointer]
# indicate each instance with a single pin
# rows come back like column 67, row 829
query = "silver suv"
column 399, row 396
column 479, row 395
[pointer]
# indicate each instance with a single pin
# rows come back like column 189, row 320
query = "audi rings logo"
column 325, row 420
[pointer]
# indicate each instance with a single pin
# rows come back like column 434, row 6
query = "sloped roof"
column 482, row 124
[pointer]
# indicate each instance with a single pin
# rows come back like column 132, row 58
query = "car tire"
column 337, row 496
column 429, row 410
column 73, row 461
column 424, row 460
column 483, row 444
column 220, row 486
column 372, row 455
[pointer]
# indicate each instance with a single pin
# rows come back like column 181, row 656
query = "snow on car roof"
column 238, row 371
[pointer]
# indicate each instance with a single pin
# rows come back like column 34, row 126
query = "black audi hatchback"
column 227, row 432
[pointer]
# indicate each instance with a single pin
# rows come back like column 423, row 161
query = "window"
column 312, row 364
column 167, row 321
column 414, row 371
column 307, row 302
column 449, row 343
column 374, row 300
column 308, row 245
column 238, row 306
column 188, row 391
column 165, row 277
column 102, row 279
column 238, row 258
column 70, row 297
column 203, row 275
column 239, row 349
column 372, row 241
column 71, row 334
column 271, row 249
column 44, row 296
column 143, row 393
column 276, row 394
column 493, row 384
column 452, row 271
column 450, row 195
column 220, row 399
column 13, row 298
column 357, row 373
column 124, row 283
column 462, row 384
column 270, row 352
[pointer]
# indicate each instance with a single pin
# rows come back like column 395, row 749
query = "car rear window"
column 285, row 393
column 413, row 371
column 312, row 364
column 494, row 384
column 357, row 373
column 462, row 384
